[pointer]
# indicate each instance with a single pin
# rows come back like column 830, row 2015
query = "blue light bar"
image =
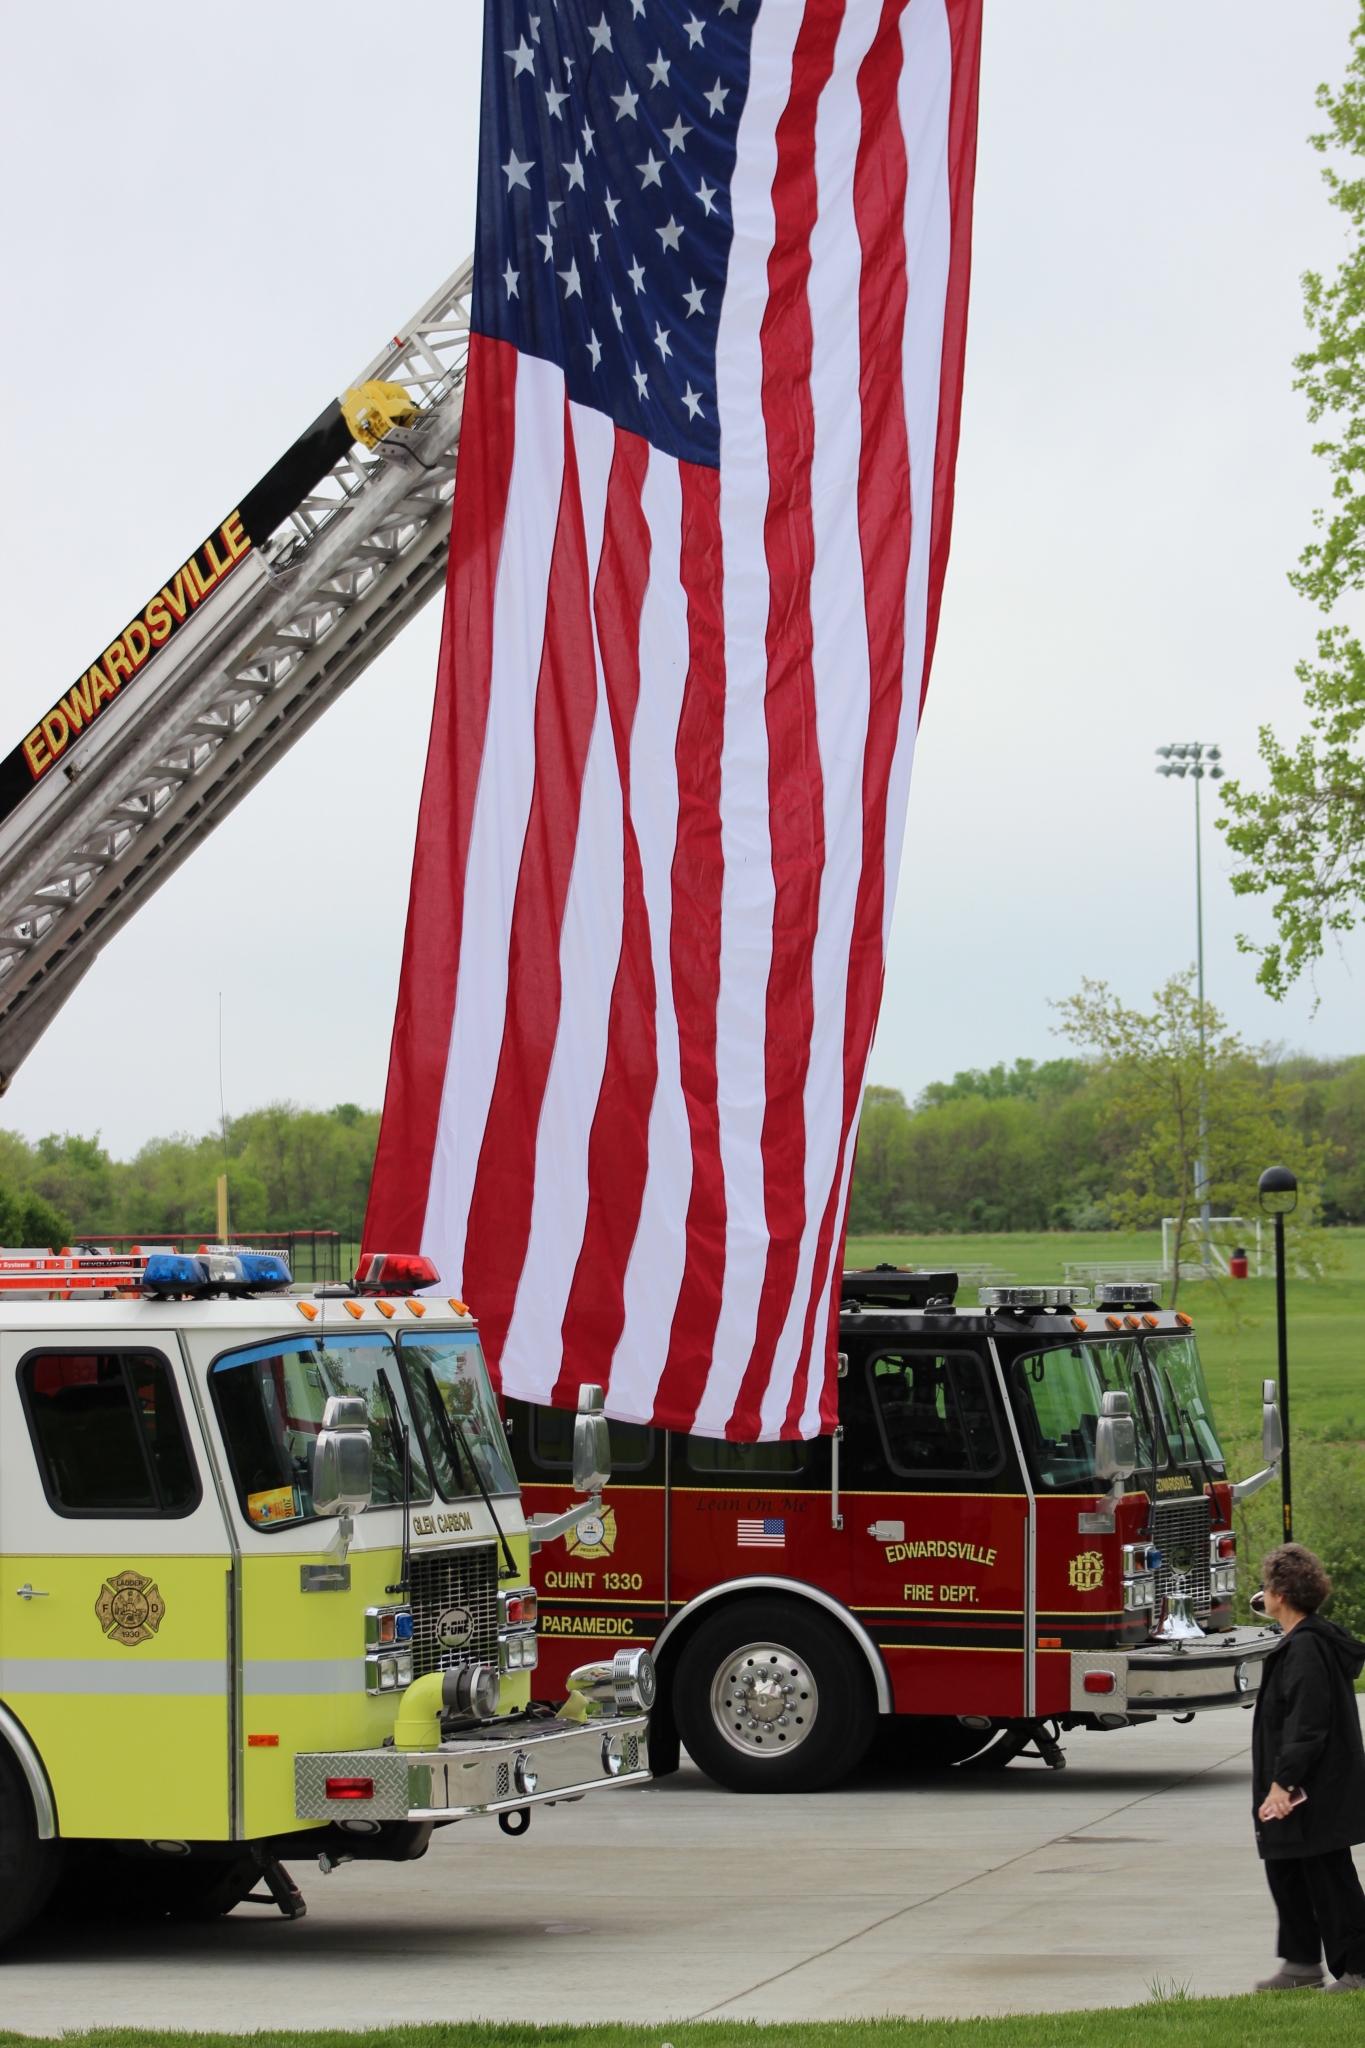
column 214, row 1272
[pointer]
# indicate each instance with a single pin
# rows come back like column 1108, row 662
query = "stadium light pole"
column 1197, row 759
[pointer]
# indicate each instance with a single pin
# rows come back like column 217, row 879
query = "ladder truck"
column 255, row 633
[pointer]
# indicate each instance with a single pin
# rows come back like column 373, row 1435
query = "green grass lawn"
column 1235, row 1320
column 1298, row 2019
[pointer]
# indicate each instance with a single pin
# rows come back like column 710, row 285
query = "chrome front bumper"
column 1223, row 1670
column 492, row 1769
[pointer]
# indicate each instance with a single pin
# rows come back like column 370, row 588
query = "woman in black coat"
column 1308, row 1779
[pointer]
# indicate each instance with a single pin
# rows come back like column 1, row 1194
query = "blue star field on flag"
column 607, row 152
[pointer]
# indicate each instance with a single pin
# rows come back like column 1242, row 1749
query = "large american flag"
column 701, row 524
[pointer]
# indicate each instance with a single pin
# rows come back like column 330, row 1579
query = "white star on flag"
column 625, row 103
column 509, row 278
column 601, row 35
column 693, row 32
column 641, row 381
column 523, row 58
column 692, row 401
column 675, row 135
column 554, row 100
column 649, row 171
column 706, row 194
column 611, row 206
column 547, row 242
column 671, row 235
column 661, row 335
column 587, row 139
column 636, row 275
column 515, row 173
column 659, row 69
column 595, row 349
column 616, row 316
column 717, row 97
column 572, row 283
column 693, row 296
column 574, row 172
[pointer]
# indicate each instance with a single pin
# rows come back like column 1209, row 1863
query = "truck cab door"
column 115, row 1583
column 937, row 1513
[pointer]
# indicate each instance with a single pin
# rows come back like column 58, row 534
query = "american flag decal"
column 699, row 539
column 768, row 1532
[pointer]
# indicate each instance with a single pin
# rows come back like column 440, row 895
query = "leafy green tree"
column 1165, row 1076
column 1302, row 839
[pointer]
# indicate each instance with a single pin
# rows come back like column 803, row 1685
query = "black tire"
column 28, row 1868
column 926, row 1742
column 805, row 1678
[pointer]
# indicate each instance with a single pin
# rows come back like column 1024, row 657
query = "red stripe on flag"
column 566, row 702
column 694, row 944
column 964, row 28
column 795, row 782
column 618, row 1145
column 420, row 1047
column 884, row 529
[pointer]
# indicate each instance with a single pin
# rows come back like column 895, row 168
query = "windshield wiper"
column 1187, row 1422
column 402, row 1444
column 445, row 1424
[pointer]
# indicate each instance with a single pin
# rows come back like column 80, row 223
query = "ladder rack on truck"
column 254, row 635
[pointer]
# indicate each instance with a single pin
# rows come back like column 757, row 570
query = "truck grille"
column 445, row 1581
column 1181, row 1531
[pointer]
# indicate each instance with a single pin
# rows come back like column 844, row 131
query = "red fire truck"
column 1022, row 1525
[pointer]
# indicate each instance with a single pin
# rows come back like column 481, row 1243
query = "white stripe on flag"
column 589, row 947
column 655, row 1269
column 502, row 807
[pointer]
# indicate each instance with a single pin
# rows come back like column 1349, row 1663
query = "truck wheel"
column 102, row 1884
column 770, row 1696
column 28, row 1868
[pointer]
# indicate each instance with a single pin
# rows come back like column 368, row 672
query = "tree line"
column 287, row 1168
column 1107, row 1136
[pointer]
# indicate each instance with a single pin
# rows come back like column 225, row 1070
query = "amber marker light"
column 419, row 1308
column 263, row 1742
column 458, row 1307
column 1113, row 1322
column 1079, row 1323
column 307, row 1308
column 1049, row 1642
column 353, row 1308
column 385, row 1308
column 1185, row 1322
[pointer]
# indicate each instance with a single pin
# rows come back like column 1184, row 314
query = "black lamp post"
column 1279, row 1191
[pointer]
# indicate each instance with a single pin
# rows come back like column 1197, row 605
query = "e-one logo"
column 454, row 1628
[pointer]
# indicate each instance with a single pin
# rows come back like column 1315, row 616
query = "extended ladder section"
column 263, row 627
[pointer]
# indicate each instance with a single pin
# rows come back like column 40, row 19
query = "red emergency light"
column 394, row 1273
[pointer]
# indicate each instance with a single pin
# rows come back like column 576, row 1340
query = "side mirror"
column 1272, row 1436
column 1115, row 1439
column 343, row 1458
column 591, row 1442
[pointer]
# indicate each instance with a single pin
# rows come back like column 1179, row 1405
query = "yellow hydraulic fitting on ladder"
column 371, row 409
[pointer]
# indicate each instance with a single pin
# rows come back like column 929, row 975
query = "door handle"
column 27, row 1592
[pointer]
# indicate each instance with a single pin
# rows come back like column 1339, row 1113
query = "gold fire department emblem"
column 1086, row 1572
column 130, row 1609
column 593, row 1535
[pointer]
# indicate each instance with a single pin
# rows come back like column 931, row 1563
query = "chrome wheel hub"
column 763, row 1700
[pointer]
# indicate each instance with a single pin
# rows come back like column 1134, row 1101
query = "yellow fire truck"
column 266, row 1584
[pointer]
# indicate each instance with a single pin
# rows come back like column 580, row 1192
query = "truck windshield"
column 451, row 1369
column 1186, row 1411
column 1062, row 1390
column 270, row 1401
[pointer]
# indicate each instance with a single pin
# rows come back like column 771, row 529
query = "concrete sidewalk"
column 1024, row 1891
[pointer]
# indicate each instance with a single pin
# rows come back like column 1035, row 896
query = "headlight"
column 1223, row 1578
column 518, row 1652
column 388, row 1672
column 1139, row 1592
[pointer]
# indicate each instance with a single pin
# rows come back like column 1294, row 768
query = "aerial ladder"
column 305, row 582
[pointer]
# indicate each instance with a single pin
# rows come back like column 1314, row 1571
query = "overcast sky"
column 213, row 221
